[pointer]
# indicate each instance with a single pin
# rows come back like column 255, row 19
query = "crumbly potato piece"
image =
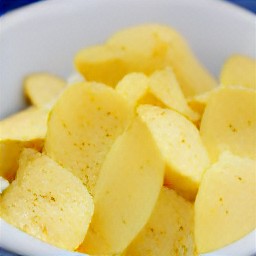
column 42, row 88
column 82, row 127
column 225, row 205
column 180, row 145
column 239, row 70
column 128, row 187
column 144, row 48
column 47, row 201
column 229, row 122
column 169, row 230
column 26, row 129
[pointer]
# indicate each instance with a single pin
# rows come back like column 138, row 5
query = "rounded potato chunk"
column 144, row 48
column 229, row 122
column 127, row 190
column 225, row 205
column 47, row 201
column 180, row 145
column 169, row 230
column 82, row 127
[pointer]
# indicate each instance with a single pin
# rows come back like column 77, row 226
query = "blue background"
column 9, row 5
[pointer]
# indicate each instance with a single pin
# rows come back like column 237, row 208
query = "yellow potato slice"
column 160, row 89
column 47, row 201
column 225, row 205
column 180, row 145
column 82, row 127
column 239, row 70
column 133, row 87
column 42, row 88
column 24, row 129
column 164, row 86
column 127, row 190
column 144, row 48
column 229, row 122
column 169, row 230
column 101, row 64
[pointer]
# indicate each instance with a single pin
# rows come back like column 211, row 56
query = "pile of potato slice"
column 147, row 155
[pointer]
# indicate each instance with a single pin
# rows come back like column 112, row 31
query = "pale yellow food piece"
column 180, row 145
column 47, row 201
column 144, row 48
column 101, row 64
column 133, row 87
column 127, row 190
column 169, row 230
column 42, row 88
column 199, row 102
column 229, row 122
column 239, row 70
column 164, row 86
column 24, row 129
column 82, row 127
column 225, row 205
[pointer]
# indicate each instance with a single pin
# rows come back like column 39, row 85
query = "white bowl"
column 45, row 36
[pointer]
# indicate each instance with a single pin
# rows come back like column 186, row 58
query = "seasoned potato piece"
column 239, row 70
column 82, row 127
column 24, row 129
column 42, row 88
column 169, row 230
column 181, row 146
column 164, row 86
column 229, row 122
column 127, row 190
column 225, row 204
column 47, row 201
column 144, row 48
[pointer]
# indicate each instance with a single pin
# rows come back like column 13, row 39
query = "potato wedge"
column 225, row 205
column 239, row 70
column 169, row 230
column 164, row 86
column 47, row 201
column 26, row 129
column 42, row 88
column 82, row 127
column 180, row 145
column 144, row 48
column 229, row 122
column 128, row 187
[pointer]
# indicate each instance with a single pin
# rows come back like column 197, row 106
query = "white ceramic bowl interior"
column 45, row 37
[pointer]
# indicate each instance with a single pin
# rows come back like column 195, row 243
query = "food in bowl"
column 148, row 146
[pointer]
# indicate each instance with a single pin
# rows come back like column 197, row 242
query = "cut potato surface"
column 229, row 122
column 239, row 70
column 47, row 201
column 225, row 204
column 26, row 129
column 144, row 48
column 82, row 127
column 164, row 86
column 42, row 88
column 169, row 230
column 128, row 187
column 180, row 145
